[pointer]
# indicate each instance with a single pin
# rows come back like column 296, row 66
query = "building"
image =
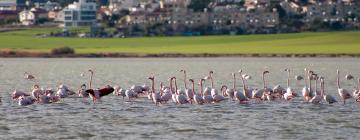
column 32, row 16
column 331, row 12
column 82, row 13
column 8, row 6
column 7, row 17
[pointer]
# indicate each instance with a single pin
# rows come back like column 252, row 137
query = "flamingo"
column 247, row 91
column 180, row 98
column 306, row 91
column 166, row 93
column 206, row 95
column 189, row 92
column 328, row 98
column 81, row 92
column 230, row 91
column 62, row 93
column 98, row 93
column 207, row 90
column 279, row 91
column 240, row 95
column 343, row 93
column 137, row 89
column 28, row 76
column 197, row 97
column 258, row 94
column 36, row 92
column 218, row 98
column 173, row 92
column 26, row 100
column 356, row 91
column 155, row 95
column 119, row 92
column 17, row 93
column 289, row 94
column 318, row 96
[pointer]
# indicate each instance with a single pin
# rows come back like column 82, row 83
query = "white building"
column 82, row 13
column 30, row 17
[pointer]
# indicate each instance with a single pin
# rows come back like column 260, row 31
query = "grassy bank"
column 329, row 43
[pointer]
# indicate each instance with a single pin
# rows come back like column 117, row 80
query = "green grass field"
column 297, row 43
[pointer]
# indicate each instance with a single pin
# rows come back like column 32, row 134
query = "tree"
column 199, row 5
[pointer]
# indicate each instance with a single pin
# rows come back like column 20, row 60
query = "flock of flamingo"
column 312, row 92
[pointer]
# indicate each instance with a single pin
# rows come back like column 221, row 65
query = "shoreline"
column 19, row 54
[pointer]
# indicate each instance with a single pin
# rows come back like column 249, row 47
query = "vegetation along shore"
column 26, row 43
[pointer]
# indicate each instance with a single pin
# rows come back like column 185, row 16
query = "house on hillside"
column 32, row 16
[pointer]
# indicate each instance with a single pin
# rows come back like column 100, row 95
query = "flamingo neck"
column 185, row 80
column 243, row 82
column 263, row 78
column 322, row 85
column 212, row 82
column 201, row 88
column 234, row 84
column 171, row 86
column 91, row 77
column 309, row 84
column 305, row 79
column 316, row 86
column 153, row 85
column 176, row 88
column 193, row 88
column 338, row 79
column 288, row 79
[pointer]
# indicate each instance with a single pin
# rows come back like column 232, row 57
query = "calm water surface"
column 76, row 118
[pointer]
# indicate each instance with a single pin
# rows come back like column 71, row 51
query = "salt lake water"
column 113, row 118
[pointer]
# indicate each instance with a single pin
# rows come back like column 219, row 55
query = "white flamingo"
column 36, row 92
column 260, row 94
column 289, row 94
column 17, row 93
column 206, row 93
column 343, row 93
column 120, row 92
column 166, row 93
column 26, row 100
column 28, row 76
column 306, row 91
column 240, row 96
column 328, row 98
column 197, row 97
column 180, row 98
column 189, row 92
column 218, row 98
column 356, row 92
column 81, row 92
column 318, row 96
column 230, row 91
column 155, row 95
column 248, row 90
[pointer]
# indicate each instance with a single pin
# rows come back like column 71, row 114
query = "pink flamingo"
column 230, row 91
column 180, row 98
column 240, row 95
column 289, row 94
column 189, row 93
column 318, row 96
column 197, row 97
column 328, row 98
column 344, row 94
column 306, row 92
column 155, row 96
column 98, row 93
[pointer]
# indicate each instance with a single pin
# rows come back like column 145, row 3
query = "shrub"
column 62, row 51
